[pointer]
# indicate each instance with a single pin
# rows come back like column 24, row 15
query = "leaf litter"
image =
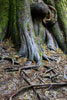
column 51, row 72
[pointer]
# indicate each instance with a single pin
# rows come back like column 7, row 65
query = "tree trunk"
column 26, row 27
column 55, row 30
column 54, row 27
column 12, row 23
column 24, row 23
column 4, row 7
column 61, row 7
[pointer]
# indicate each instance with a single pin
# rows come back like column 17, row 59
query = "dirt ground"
column 52, row 71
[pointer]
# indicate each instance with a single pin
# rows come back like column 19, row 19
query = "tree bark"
column 40, row 10
column 4, row 7
column 54, row 28
column 26, row 27
column 22, row 21
column 12, row 29
column 50, row 41
column 61, row 7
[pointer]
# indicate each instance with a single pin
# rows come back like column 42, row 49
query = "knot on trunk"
column 51, row 19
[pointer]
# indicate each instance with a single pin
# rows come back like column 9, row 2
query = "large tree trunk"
column 26, row 27
column 22, row 21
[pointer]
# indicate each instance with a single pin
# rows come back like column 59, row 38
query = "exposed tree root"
column 50, row 41
column 20, row 67
column 12, row 61
column 38, row 97
column 45, row 57
column 53, row 85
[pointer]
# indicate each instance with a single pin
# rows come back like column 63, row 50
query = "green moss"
column 13, row 32
column 4, row 6
column 55, row 30
column 19, row 4
column 61, row 6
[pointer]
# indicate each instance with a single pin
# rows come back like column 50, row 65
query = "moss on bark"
column 58, row 36
column 4, row 7
column 26, row 27
column 56, row 29
column 12, row 23
column 61, row 6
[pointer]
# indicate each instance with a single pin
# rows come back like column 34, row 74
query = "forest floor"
column 47, row 82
